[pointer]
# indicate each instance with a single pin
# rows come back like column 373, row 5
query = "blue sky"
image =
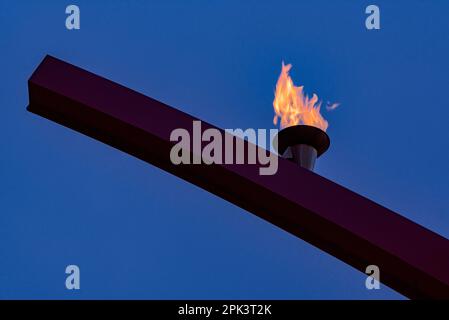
column 137, row 232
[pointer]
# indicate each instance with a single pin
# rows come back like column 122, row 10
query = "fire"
column 293, row 106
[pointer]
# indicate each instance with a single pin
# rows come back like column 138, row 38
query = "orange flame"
column 293, row 106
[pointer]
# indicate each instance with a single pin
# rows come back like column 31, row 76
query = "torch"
column 303, row 136
column 302, row 144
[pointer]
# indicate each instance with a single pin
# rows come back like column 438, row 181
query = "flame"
column 293, row 106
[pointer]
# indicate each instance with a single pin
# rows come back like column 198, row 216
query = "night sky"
column 137, row 232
